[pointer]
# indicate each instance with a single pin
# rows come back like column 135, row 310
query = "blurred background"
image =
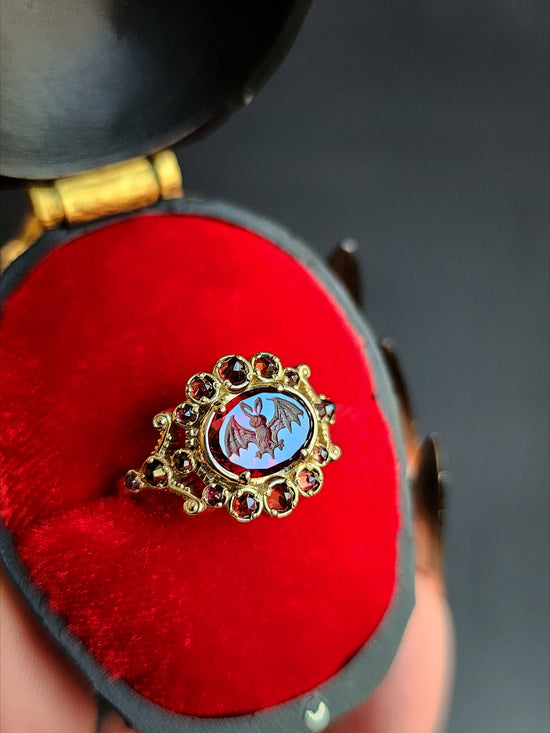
column 420, row 128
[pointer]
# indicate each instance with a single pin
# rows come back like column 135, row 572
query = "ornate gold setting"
column 193, row 460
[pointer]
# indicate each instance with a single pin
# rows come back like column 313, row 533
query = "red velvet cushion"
column 200, row 614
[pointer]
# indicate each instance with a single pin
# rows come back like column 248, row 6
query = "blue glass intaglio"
column 260, row 431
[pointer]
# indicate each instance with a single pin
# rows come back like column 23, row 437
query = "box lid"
column 86, row 83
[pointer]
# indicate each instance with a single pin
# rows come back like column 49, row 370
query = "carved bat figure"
column 265, row 435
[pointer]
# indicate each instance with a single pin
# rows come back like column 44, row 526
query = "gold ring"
column 251, row 436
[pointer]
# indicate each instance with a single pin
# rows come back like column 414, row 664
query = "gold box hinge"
column 29, row 231
column 114, row 189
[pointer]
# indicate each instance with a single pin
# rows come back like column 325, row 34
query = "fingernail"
column 344, row 264
column 429, row 485
column 398, row 378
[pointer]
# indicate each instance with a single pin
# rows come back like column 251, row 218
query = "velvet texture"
column 202, row 615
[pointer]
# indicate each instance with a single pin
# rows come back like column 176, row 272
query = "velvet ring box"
column 180, row 623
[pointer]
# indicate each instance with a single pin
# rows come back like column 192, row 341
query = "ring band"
column 252, row 436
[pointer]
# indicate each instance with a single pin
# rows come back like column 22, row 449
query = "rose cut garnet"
column 308, row 481
column 292, row 377
column 321, row 454
column 201, row 387
column 281, row 498
column 131, row 481
column 155, row 473
column 245, row 505
column 266, row 366
column 185, row 415
column 213, row 495
column 233, row 370
column 182, row 461
column 325, row 409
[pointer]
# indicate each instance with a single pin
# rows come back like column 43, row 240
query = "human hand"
column 42, row 692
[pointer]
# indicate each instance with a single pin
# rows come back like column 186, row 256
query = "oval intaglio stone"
column 261, row 431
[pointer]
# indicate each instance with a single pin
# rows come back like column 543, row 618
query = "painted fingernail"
column 344, row 264
column 398, row 378
column 429, row 485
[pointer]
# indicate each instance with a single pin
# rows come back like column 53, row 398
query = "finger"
column 40, row 690
column 414, row 696
column 113, row 723
column 424, row 471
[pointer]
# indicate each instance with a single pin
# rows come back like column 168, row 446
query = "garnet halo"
column 253, row 432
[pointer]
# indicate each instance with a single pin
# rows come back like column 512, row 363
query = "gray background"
column 420, row 127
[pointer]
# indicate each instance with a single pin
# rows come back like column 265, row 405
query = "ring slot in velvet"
column 101, row 327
